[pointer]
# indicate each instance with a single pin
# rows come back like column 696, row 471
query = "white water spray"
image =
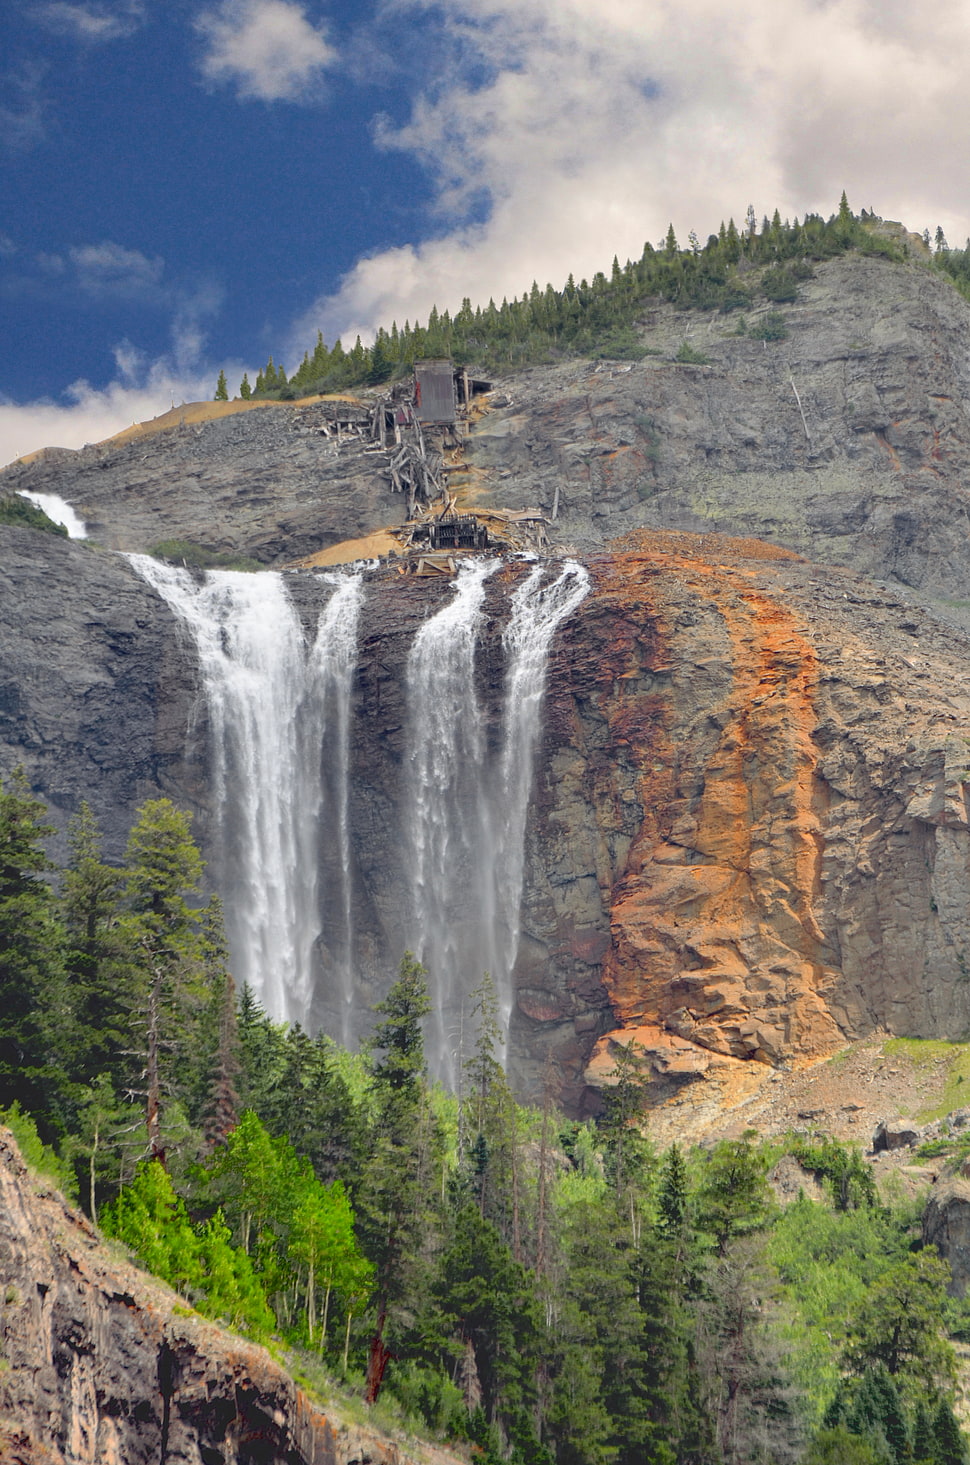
column 59, row 510
column 270, row 702
column 448, row 812
column 537, row 611
column 468, row 812
column 332, row 670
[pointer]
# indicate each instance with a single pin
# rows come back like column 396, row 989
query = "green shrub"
column 36, row 1155
column 771, row 327
column 197, row 557
column 689, row 356
column 17, row 510
column 779, row 284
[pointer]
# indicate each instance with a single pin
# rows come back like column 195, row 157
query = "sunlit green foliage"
column 547, row 1290
column 17, row 510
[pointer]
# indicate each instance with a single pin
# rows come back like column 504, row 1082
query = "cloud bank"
column 599, row 121
column 267, row 49
column 86, row 414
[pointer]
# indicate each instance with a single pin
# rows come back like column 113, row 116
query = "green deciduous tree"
column 899, row 1325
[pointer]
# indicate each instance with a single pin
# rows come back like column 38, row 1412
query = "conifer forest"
column 542, row 1290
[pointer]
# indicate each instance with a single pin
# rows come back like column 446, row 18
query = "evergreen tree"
column 98, row 960
column 222, row 390
column 395, row 1194
column 163, row 868
column 949, row 1446
column 33, row 991
column 245, row 390
column 219, row 1032
column 733, row 1197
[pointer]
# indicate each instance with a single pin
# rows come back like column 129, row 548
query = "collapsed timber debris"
column 419, row 430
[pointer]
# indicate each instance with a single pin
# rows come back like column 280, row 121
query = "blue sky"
column 192, row 186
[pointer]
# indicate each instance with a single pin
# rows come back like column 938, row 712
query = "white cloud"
column 600, row 120
column 141, row 388
column 88, row 414
column 110, row 269
column 93, row 23
column 266, row 48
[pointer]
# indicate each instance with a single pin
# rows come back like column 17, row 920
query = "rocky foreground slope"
column 102, row 1365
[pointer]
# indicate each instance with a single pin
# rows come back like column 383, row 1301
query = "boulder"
column 895, row 1134
column 946, row 1225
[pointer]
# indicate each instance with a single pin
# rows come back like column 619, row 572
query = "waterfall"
column 280, row 708
column 271, row 702
column 448, row 814
column 58, row 510
column 333, row 668
column 468, row 811
column 537, row 610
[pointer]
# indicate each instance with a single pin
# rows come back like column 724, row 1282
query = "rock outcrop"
column 102, row 1365
column 848, row 441
column 946, row 1225
column 770, row 790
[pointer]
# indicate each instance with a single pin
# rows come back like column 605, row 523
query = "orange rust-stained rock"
column 715, row 945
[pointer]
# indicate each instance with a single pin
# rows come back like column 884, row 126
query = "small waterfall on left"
column 274, row 704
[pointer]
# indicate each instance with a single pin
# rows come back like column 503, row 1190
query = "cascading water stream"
column 332, row 669
column 270, row 703
column 449, row 823
column 467, row 812
column 280, row 720
column 537, row 611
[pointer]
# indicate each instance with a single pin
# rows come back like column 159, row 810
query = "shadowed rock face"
column 105, row 1366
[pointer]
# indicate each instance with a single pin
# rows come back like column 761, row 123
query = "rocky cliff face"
column 848, row 440
column 749, row 833
column 766, row 766
column 102, row 1365
column 95, row 691
column 749, row 836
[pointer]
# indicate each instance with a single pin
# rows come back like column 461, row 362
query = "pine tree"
column 949, row 1444
column 97, row 959
column 163, row 867
column 396, row 1189
column 222, row 390
column 220, row 1110
column 245, row 390
column 34, row 1000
